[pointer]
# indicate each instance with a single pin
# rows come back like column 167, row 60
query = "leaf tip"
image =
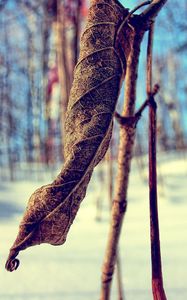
column 12, row 262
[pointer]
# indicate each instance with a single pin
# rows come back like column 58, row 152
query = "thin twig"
column 149, row 60
column 157, row 281
column 118, row 269
column 129, row 15
column 132, row 121
column 139, row 6
column 126, row 121
column 153, row 9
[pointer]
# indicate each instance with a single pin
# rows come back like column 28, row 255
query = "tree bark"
column 127, row 134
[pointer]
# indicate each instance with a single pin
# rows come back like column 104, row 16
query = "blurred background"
column 39, row 47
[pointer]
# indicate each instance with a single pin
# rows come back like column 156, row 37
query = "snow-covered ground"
column 72, row 271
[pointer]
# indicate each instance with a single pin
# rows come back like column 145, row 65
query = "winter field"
column 72, row 271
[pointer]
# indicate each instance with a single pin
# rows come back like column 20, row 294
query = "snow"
column 73, row 271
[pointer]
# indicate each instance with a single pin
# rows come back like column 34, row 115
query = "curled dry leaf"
column 97, row 79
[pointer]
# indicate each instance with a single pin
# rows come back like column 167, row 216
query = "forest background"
column 32, row 77
column 35, row 68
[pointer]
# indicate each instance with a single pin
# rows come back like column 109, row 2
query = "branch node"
column 156, row 89
column 149, row 101
column 120, row 205
column 127, row 121
column 152, row 102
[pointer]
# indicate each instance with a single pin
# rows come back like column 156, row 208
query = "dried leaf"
column 97, row 78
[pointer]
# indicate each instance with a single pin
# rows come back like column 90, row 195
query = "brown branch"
column 118, row 260
column 129, row 15
column 140, row 6
column 157, row 281
column 126, row 121
column 124, row 160
column 121, row 295
column 149, row 60
column 127, row 137
column 152, row 11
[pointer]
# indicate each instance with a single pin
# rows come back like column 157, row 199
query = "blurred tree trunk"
column 173, row 104
column 139, row 153
column 8, row 111
column 34, row 143
column 49, row 78
column 169, row 103
column 68, row 24
column 76, row 20
column 63, row 61
column 30, row 130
